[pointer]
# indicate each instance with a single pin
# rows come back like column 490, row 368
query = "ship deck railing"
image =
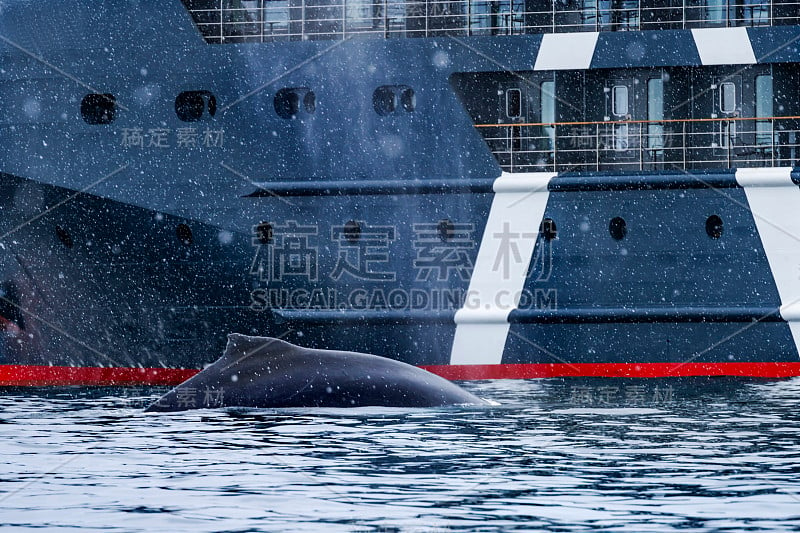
column 644, row 144
column 271, row 20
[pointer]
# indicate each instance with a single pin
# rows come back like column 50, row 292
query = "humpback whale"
column 268, row 372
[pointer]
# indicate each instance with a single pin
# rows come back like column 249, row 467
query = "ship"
column 486, row 189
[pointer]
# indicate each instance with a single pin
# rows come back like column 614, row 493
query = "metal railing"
column 276, row 20
column 645, row 145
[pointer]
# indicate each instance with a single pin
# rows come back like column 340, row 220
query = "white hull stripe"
column 775, row 203
column 566, row 51
column 724, row 46
column 501, row 267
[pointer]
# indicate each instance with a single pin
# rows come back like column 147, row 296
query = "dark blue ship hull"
column 130, row 249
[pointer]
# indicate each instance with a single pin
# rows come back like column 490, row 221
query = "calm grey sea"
column 559, row 455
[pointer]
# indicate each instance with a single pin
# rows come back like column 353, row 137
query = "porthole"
column 446, row 229
column 184, row 234
column 191, row 106
column 99, row 109
column 264, row 233
column 714, row 226
column 547, row 229
column 310, row 102
column 388, row 99
column 384, row 100
column 288, row 102
column 64, row 236
column 408, row 99
column 352, row 231
column 618, row 228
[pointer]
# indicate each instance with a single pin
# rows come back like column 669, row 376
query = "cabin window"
column 764, row 110
column 99, row 109
column 716, row 11
column 617, row 228
column 655, row 114
column 714, row 226
column 190, row 106
column 610, row 15
column 548, row 102
column 727, row 97
column 513, row 103
column 384, row 100
column 619, row 100
column 408, row 99
column 289, row 102
column 548, row 229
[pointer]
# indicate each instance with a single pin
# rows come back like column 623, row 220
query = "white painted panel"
column 566, row 51
column 775, row 203
column 724, row 46
column 501, row 267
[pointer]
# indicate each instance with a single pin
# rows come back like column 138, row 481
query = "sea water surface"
column 558, row 455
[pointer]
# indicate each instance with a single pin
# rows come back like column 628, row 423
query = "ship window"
column 547, row 229
column 619, row 100
column 548, row 102
column 618, row 228
column 352, row 231
column 310, row 102
column 384, row 100
column 288, row 100
column 263, row 233
column 727, row 97
column 714, row 226
column 408, row 99
column 655, row 113
column 184, row 234
column 191, row 105
column 513, row 103
column 99, row 109
column 764, row 109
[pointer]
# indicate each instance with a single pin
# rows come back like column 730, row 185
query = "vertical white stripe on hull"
column 775, row 203
column 501, row 267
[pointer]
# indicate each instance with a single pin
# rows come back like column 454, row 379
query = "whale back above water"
column 268, row 372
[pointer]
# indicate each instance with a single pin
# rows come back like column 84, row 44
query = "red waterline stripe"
column 52, row 376
column 616, row 370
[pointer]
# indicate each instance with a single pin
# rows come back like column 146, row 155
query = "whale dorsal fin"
column 242, row 347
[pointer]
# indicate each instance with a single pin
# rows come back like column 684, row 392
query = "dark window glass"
column 352, row 231
column 655, row 113
column 619, row 100
column 547, row 229
column 99, row 109
column 618, row 228
column 264, row 233
column 714, row 226
column 190, row 106
column 287, row 103
column 290, row 101
column 310, row 102
column 384, row 100
column 727, row 97
column 408, row 99
column 513, row 103
column 764, row 109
